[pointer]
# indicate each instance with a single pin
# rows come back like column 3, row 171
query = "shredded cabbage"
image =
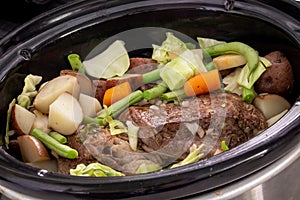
column 193, row 156
column 247, row 79
column 94, row 170
column 207, row 42
column 132, row 135
column 148, row 167
column 231, row 81
column 169, row 49
column 114, row 61
column 29, row 90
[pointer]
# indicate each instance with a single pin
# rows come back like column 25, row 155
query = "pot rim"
column 79, row 12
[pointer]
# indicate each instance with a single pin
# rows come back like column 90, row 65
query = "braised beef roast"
column 167, row 131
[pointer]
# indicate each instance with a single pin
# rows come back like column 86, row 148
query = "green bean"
column 173, row 95
column 156, row 91
column 151, row 76
column 75, row 62
column 61, row 149
column 235, row 47
column 90, row 120
column 224, row 146
column 59, row 137
column 116, row 108
column 248, row 95
column 210, row 66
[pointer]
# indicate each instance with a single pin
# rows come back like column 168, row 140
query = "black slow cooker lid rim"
column 73, row 10
column 142, row 176
column 55, row 28
column 101, row 1
column 75, row 4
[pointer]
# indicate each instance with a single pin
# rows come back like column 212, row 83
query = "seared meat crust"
column 207, row 119
column 167, row 132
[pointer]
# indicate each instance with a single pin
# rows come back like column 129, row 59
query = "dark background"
column 13, row 13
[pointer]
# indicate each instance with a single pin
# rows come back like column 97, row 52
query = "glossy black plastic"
column 40, row 46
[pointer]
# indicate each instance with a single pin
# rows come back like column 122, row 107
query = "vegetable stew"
column 115, row 115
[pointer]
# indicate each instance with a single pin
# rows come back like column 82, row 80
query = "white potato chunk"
column 275, row 118
column 90, row 105
column 32, row 149
column 55, row 87
column 271, row 104
column 22, row 120
column 65, row 114
column 41, row 121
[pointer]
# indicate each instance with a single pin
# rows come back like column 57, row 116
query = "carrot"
column 203, row 83
column 116, row 93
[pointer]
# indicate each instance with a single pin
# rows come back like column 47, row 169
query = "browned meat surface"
column 135, row 62
column 207, row 119
column 277, row 79
column 226, row 72
column 64, row 165
column 167, row 132
column 144, row 68
column 135, row 81
column 100, row 88
column 116, row 152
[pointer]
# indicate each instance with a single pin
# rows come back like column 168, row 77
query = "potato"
column 32, row 149
column 278, row 78
column 86, row 86
column 55, row 87
column 275, row 118
column 65, row 114
column 22, row 120
column 228, row 61
column 41, row 121
column 271, row 104
column 100, row 88
column 90, row 105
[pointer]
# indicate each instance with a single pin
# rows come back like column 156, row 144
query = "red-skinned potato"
column 55, row 87
column 32, row 149
column 86, row 86
column 22, row 120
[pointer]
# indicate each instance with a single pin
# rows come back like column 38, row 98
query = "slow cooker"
column 39, row 46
